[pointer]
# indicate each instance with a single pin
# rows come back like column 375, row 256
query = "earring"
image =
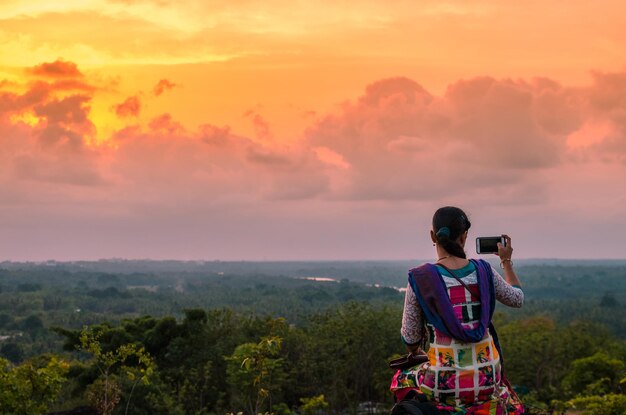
column 433, row 244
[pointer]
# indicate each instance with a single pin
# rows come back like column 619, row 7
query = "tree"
column 31, row 387
column 5, row 320
column 255, row 371
column 31, row 323
column 12, row 351
column 345, row 354
column 538, row 353
column 127, row 360
column 608, row 300
column 594, row 375
column 196, row 386
column 611, row 404
column 313, row 406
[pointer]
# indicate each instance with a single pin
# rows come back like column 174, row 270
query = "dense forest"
column 168, row 337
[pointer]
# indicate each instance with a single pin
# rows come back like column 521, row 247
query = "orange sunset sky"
column 309, row 129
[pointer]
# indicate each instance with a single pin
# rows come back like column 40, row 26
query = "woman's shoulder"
column 462, row 272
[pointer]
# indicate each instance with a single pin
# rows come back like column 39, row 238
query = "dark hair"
column 449, row 223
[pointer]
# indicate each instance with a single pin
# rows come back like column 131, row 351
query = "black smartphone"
column 489, row 244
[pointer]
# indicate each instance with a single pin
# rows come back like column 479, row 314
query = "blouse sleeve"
column 507, row 294
column 413, row 329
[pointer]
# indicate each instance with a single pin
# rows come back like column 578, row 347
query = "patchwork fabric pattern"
column 463, row 371
column 462, row 378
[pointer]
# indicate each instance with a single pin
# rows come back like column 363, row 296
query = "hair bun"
column 443, row 231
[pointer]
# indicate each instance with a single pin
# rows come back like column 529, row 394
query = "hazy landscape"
column 335, row 320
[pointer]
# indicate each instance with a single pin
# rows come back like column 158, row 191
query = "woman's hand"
column 505, row 252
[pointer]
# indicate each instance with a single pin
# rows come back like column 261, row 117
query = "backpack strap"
column 456, row 277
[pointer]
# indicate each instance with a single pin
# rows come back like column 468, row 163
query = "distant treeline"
column 75, row 294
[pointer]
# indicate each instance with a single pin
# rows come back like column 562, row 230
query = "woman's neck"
column 449, row 260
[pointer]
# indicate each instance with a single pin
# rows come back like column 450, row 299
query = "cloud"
column 13, row 102
column 501, row 120
column 73, row 85
column 162, row 86
column 483, row 136
column 56, row 69
column 68, row 110
column 402, row 142
column 606, row 95
column 129, row 108
column 288, row 173
column 184, row 169
column 63, row 169
column 214, row 135
column 44, row 132
column 267, row 158
column 607, row 102
column 165, row 123
column 65, row 122
column 261, row 126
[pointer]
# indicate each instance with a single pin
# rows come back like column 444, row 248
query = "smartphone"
column 489, row 244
